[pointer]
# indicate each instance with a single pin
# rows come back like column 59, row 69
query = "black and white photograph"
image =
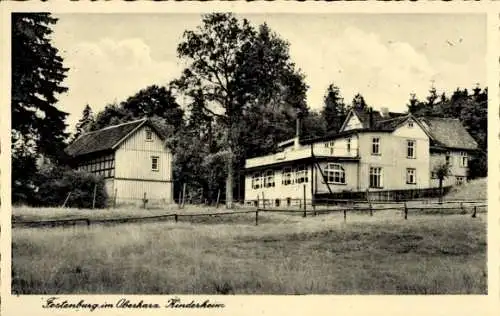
column 230, row 153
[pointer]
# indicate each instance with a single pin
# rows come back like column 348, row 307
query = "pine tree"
column 37, row 75
column 85, row 122
column 359, row 103
column 38, row 127
column 334, row 110
column 413, row 104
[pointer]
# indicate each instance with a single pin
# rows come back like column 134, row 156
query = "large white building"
column 375, row 151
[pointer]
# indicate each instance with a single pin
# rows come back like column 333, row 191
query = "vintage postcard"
column 245, row 159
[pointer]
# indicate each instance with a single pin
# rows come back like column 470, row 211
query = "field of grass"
column 383, row 254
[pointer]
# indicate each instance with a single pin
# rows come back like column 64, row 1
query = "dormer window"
column 149, row 134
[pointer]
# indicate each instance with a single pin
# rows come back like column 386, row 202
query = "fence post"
column 114, row 199
column 263, row 201
column 305, row 208
column 368, row 200
column 345, row 215
column 183, row 194
column 406, row 211
column 176, row 219
column 180, row 198
column 218, row 199
column 257, row 217
column 462, row 206
column 93, row 200
column 67, row 198
column 258, row 200
column 474, row 214
column 144, row 201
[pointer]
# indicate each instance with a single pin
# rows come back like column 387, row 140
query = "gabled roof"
column 443, row 132
column 367, row 117
column 392, row 123
column 104, row 139
column 364, row 117
column 448, row 132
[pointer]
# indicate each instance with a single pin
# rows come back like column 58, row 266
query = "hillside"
column 474, row 190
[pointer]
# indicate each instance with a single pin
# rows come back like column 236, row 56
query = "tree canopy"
column 248, row 82
column 38, row 126
column 85, row 123
column 470, row 108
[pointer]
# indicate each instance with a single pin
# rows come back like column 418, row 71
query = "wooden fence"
column 469, row 207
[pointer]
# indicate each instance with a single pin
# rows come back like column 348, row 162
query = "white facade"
column 143, row 166
column 395, row 159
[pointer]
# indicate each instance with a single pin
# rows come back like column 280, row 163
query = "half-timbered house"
column 131, row 157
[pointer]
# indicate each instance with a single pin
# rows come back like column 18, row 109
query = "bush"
column 53, row 185
column 478, row 166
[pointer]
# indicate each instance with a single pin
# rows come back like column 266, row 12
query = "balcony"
column 301, row 153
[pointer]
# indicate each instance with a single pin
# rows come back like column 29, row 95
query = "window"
column 349, row 145
column 410, row 149
column 464, row 159
column 301, row 174
column 149, row 134
column 256, row 181
column 375, row 146
column 286, row 176
column 332, row 147
column 335, row 173
column 155, row 163
column 448, row 159
column 411, row 176
column 410, row 124
column 433, row 175
column 269, row 179
column 460, row 180
column 375, row 177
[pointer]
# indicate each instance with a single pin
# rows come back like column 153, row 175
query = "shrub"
column 52, row 186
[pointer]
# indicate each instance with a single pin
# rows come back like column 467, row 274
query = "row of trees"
column 243, row 95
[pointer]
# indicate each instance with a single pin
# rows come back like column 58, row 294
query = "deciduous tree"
column 242, row 73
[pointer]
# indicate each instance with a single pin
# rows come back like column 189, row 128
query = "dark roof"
column 364, row 117
column 443, row 132
column 103, row 139
column 448, row 132
column 377, row 116
column 390, row 124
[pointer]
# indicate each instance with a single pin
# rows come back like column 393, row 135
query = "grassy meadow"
column 285, row 254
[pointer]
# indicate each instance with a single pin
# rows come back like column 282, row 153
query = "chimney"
column 297, row 127
column 297, row 132
column 370, row 122
column 384, row 112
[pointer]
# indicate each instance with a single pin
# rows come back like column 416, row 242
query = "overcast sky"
column 385, row 57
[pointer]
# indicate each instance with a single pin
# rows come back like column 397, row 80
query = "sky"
column 385, row 57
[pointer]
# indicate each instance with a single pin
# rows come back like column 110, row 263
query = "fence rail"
column 466, row 207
